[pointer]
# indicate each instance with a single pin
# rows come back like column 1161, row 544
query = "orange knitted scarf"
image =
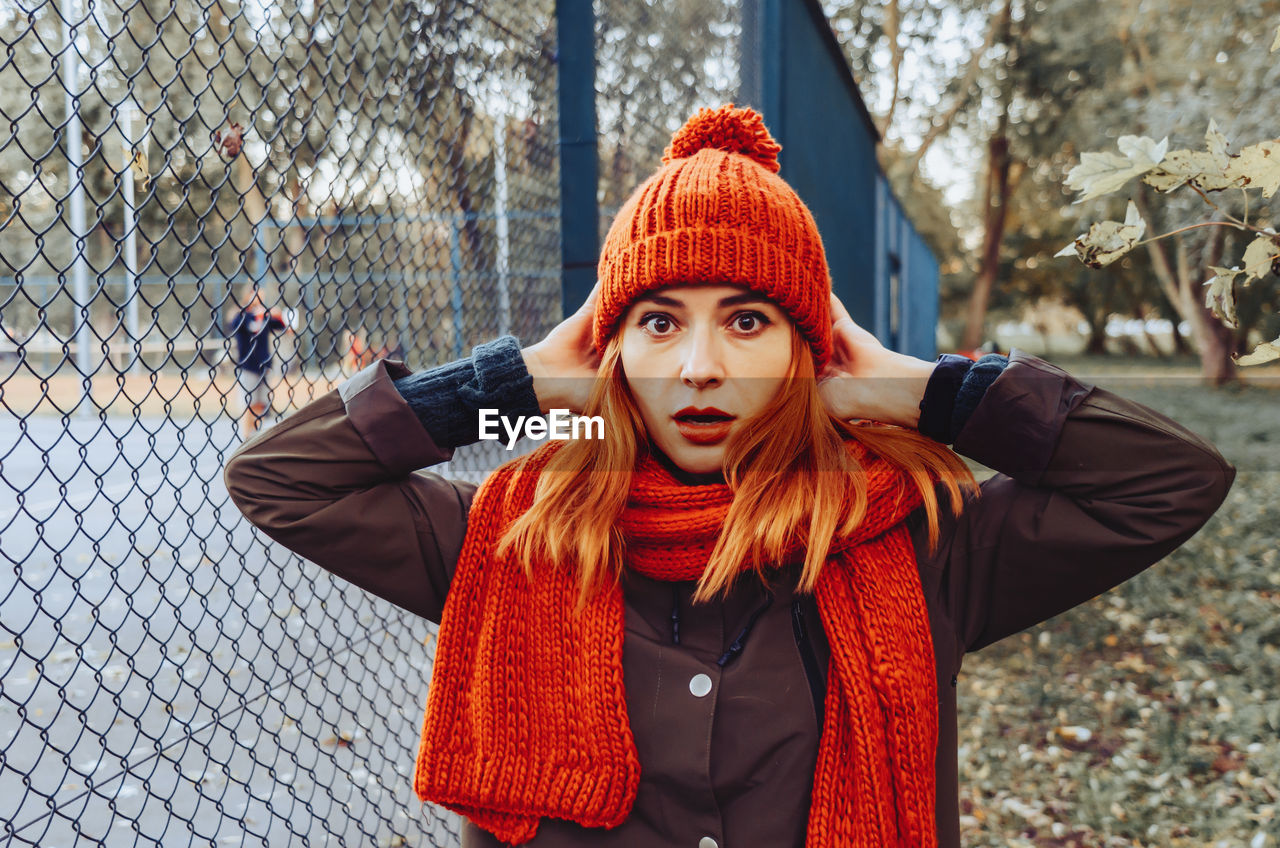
column 526, row 714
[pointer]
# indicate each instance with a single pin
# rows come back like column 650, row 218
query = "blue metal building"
column 881, row 268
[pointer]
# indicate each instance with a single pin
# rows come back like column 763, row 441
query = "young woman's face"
column 720, row 350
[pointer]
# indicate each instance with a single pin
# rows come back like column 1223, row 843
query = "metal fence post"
column 455, row 295
column 579, row 162
column 133, row 141
column 75, row 180
column 501, row 202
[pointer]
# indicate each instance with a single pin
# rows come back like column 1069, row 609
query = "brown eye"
column 756, row 321
column 656, row 323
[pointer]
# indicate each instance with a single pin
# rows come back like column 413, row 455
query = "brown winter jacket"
column 1091, row 489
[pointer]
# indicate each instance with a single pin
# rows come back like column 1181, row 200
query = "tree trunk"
column 1216, row 340
column 1151, row 340
column 997, row 198
column 1216, row 364
column 1139, row 310
column 1042, row 328
column 1180, row 345
column 995, row 209
column 1097, row 345
column 253, row 210
column 1092, row 301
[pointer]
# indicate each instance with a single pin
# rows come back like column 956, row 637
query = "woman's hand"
column 864, row 379
column 564, row 364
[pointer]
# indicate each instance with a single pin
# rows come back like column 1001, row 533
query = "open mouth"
column 705, row 415
column 704, row 419
column 703, row 426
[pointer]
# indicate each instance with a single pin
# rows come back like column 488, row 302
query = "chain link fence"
column 383, row 178
column 656, row 64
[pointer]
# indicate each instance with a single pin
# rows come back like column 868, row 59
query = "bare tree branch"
column 1160, row 260
column 940, row 126
column 1135, row 42
column 892, row 28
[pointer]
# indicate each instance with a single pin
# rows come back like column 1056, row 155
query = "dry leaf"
column 1264, row 352
column 1258, row 166
column 1143, row 152
column 232, row 142
column 1220, row 297
column 1183, row 166
column 1102, row 173
column 1258, row 257
column 1107, row 241
column 1217, row 144
column 138, row 164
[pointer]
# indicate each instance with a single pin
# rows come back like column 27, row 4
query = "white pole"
column 75, row 164
column 504, row 241
column 130, row 237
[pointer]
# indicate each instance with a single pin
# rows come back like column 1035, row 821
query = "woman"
column 737, row 619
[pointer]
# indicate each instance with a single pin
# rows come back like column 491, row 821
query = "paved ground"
column 170, row 394
column 168, row 676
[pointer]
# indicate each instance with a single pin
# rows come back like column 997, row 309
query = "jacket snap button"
column 700, row 685
column 707, row 841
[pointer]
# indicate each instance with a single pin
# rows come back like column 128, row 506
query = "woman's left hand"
column 864, row 379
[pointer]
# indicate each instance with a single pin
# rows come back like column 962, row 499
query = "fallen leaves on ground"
column 1149, row 716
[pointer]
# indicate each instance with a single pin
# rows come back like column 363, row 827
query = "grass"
column 1151, row 714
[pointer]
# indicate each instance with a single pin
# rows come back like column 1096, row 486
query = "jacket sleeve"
column 1090, row 490
column 340, row 483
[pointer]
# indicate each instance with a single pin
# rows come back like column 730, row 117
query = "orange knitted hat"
column 717, row 212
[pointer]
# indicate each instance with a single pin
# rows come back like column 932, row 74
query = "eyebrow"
column 733, row 300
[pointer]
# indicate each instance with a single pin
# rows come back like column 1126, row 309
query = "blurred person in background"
column 356, row 352
column 392, row 349
column 251, row 327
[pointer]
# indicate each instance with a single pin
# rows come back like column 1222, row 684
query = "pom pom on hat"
column 733, row 130
column 718, row 212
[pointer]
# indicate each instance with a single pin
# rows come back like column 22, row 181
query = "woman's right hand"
column 564, row 364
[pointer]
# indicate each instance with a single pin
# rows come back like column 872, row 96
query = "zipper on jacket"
column 741, row 640
column 816, row 687
column 675, row 614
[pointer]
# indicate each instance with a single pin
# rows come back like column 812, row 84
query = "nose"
column 703, row 362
